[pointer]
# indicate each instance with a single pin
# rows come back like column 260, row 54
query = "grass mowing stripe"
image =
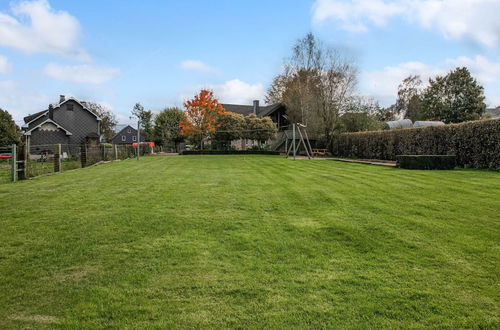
column 213, row 241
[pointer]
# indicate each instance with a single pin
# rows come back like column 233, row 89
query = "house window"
column 124, row 138
column 128, row 130
column 134, row 138
column 69, row 107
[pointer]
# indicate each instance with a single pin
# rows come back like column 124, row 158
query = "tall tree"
column 409, row 99
column 316, row 85
column 200, row 118
column 145, row 118
column 9, row 131
column 454, row 98
column 108, row 119
column 167, row 127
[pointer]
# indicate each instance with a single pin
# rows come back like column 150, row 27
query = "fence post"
column 26, row 157
column 115, row 152
column 57, row 158
column 14, row 163
column 83, row 155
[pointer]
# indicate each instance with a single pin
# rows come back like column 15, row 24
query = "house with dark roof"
column 67, row 122
column 275, row 111
column 127, row 135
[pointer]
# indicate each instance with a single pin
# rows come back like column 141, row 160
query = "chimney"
column 61, row 99
column 255, row 107
column 51, row 112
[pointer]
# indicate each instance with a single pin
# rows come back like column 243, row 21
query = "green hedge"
column 229, row 152
column 426, row 162
column 475, row 144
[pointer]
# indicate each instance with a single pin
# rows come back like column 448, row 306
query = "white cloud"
column 197, row 65
column 355, row 15
column 20, row 102
column 34, row 27
column 232, row 91
column 81, row 73
column 454, row 19
column 5, row 66
column 383, row 84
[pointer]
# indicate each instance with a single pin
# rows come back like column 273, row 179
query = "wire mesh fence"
column 5, row 164
column 36, row 160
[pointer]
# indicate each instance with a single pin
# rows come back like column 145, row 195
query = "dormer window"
column 69, row 107
column 124, row 138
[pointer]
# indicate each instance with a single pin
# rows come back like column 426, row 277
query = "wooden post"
column 57, row 158
column 26, row 156
column 293, row 142
column 83, row 155
column 14, row 163
column 115, row 152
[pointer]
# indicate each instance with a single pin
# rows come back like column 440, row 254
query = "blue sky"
column 160, row 52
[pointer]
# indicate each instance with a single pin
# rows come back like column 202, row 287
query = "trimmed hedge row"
column 475, row 144
column 229, row 152
column 426, row 162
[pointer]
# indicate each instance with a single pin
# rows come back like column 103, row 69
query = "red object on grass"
column 151, row 144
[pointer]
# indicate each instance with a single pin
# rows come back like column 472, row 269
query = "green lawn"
column 251, row 242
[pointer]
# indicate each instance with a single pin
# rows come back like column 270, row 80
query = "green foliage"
column 166, row 127
column 358, row 122
column 409, row 98
column 230, row 127
column 426, row 162
column 250, row 242
column 9, row 131
column 454, row 98
column 108, row 119
column 145, row 118
column 475, row 144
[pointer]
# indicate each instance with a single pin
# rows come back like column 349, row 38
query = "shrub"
column 475, row 144
column 426, row 162
column 229, row 152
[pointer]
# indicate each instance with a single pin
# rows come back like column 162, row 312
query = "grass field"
column 250, row 242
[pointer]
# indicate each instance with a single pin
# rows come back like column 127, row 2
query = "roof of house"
column 38, row 114
column 128, row 126
column 248, row 109
column 48, row 121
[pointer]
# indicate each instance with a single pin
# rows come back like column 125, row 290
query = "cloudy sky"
column 160, row 52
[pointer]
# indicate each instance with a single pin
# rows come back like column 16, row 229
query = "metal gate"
column 10, row 163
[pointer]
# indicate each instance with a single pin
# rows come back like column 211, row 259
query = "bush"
column 229, row 152
column 475, row 144
column 426, row 162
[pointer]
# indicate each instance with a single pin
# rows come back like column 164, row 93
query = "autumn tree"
column 200, row 120
column 167, row 128
column 454, row 98
column 9, row 131
column 316, row 85
column 108, row 119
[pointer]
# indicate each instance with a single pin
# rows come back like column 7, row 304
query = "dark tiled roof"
column 248, row 109
column 29, row 118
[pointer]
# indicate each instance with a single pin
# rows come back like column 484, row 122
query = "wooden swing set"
column 299, row 133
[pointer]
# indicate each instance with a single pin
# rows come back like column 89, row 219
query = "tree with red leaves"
column 199, row 121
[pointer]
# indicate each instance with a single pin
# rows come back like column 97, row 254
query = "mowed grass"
column 250, row 242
